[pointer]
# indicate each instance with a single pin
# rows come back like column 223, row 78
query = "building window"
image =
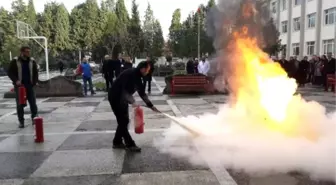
column 330, row 16
column 284, row 26
column 274, row 7
column 311, row 20
column 284, row 50
column 296, row 49
column 284, row 5
column 296, row 24
column 311, row 48
column 328, row 46
column 297, row 2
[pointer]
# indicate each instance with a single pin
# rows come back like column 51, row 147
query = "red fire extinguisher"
column 138, row 120
column 22, row 96
column 39, row 135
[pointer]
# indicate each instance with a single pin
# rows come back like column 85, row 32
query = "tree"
column 175, row 32
column 77, row 31
column 158, row 40
column 148, row 29
column 61, row 39
column 31, row 14
column 133, row 44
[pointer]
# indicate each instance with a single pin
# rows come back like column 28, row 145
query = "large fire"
column 261, row 88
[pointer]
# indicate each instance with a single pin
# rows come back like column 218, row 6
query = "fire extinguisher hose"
column 185, row 127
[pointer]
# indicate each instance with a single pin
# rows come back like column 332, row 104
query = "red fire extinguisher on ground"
column 39, row 135
column 138, row 120
column 22, row 96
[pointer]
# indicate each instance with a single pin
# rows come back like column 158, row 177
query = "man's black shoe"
column 133, row 149
column 119, row 146
column 21, row 125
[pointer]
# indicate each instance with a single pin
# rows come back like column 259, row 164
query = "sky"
column 163, row 9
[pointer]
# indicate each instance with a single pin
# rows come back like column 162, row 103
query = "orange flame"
column 261, row 87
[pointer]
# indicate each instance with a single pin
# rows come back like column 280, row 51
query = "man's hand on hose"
column 155, row 109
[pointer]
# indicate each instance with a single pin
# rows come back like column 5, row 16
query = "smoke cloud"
column 239, row 140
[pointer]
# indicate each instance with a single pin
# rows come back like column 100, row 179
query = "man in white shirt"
column 203, row 66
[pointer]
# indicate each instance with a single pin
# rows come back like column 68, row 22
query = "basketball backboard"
column 25, row 31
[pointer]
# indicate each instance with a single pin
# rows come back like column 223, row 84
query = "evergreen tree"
column 31, row 14
column 158, row 40
column 77, row 26
column 148, row 29
column 61, row 41
column 133, row 44
column 175, row 32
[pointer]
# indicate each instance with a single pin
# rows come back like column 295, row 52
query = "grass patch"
column 100, row 86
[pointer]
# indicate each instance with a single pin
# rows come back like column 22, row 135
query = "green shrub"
column 100, row 86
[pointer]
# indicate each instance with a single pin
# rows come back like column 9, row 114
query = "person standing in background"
column 190, row 67
column 61, row 66
column 87, row 76
column 106, row 72
column 204, row 66
column 148, row 78
column 302, row 72
column 118, row 64
column 23, row 71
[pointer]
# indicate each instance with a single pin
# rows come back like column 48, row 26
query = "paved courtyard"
column 78, row 145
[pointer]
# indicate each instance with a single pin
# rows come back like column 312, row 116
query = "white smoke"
column 238, row 142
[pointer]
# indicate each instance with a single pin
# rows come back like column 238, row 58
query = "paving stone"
column 40, row 111
column 155, row 102
column 60, row 99
column 190, row 101
column 20, row 165
column 82, row 110
column 53, row 127
column 82, row 180
column 82, row 104
column 102, row 116
column 81, row 162
column 278, row 179
column 2, row 138
column 12, row 182
column 98, row 125
column 66, row 117
column 25, row 143
column 199, row 177
column 87, row 142
column 92, row 99
column 151, row 160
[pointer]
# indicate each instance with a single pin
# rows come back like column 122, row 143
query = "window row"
column 283, row 4
column 327, row 47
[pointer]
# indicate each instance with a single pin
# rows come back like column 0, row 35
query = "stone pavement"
column 78, row 146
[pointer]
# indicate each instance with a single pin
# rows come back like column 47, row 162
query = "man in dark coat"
column 120, row 95
column 190, row 67
column 148, row 78
column 23, row 71
column 107, row 71
column 303, row 71
column 118, row 65
column 329, row 69
column 61, row 66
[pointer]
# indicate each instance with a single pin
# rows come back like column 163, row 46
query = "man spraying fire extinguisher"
column 120, row 95
column 23, row 72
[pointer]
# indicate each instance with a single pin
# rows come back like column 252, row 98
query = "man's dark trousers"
column 30, row 94
column 120, row 110
column 107, row 81
column 148, row 79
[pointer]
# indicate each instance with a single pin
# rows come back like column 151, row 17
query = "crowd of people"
column 314, row 71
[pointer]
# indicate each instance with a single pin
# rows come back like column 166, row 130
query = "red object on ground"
column 138, row 120
column 22, row 96
column 12, row 90
column 39, row 135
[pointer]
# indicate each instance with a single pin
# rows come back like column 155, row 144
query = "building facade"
column 307, row 27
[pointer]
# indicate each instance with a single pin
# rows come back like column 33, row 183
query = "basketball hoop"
column 26, row 32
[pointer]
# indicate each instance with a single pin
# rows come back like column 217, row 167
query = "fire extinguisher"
column 39, row 134
column 138, row 120
column 22, row 96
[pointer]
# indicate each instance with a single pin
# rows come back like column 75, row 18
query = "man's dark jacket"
column 16, row 65
column 125, row 85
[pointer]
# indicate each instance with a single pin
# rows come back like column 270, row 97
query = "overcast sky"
column 163, row 9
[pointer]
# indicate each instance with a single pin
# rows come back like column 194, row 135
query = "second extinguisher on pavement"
column 39, row 134
column 138, row 120
column 22, row 96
